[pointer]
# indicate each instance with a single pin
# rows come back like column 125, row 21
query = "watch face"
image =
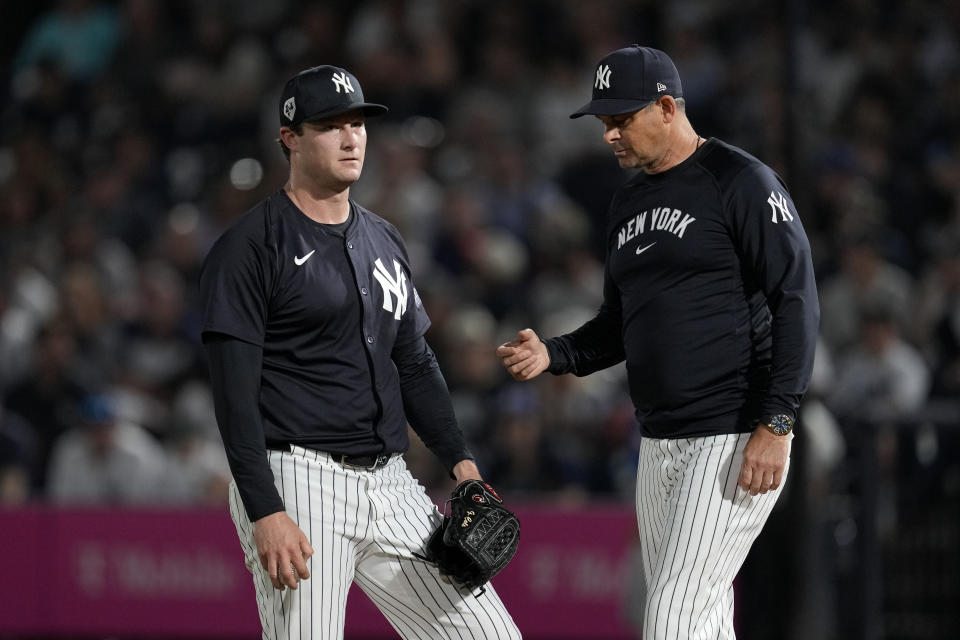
column 781, row 424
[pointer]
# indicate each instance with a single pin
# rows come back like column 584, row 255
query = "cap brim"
column 369, row 109
column 610, row 107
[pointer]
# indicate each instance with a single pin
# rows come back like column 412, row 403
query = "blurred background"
column 133, row 132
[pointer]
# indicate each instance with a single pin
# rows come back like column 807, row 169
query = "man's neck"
column 684, row 145
column 320, row 205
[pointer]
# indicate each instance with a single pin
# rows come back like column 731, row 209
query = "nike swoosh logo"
column 300, row 261
column 639, row 249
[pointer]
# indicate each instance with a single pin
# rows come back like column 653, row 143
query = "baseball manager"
column 710, row 298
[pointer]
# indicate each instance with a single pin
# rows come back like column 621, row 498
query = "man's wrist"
column 556, row 363
column 779, row 424
column 268, row 517
column 466, row 470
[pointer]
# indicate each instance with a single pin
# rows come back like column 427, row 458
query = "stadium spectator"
column 103, row 460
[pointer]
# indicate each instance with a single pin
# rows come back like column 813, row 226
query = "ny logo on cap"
column 290, row 107
column 341, row 80
column 603, row 77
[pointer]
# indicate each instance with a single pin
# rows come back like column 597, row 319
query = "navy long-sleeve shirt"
column 315, row 337
column 709, row 295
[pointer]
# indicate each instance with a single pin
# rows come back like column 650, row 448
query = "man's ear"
column 668, row 108
column 289, row 137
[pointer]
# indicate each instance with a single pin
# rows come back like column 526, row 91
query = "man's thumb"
column 526, row 335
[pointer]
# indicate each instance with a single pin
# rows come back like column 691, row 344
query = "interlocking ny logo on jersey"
column 341, row 80
column 778, row 204
column 393, row 285
column 603, row 77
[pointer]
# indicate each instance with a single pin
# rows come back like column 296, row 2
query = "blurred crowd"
column 132, row 133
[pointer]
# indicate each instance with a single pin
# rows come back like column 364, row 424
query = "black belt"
column 369, row 462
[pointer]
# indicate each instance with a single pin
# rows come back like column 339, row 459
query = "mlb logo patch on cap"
column 323, row 92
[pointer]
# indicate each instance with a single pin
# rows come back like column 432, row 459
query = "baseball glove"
column 477, row 539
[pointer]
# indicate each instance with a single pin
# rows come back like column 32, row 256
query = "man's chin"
column 347, row 178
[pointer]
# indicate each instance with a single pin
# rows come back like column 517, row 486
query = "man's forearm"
column 235, row 368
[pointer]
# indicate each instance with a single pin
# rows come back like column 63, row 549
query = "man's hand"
column 764, row 460
column 283, row 549
column 526, row 357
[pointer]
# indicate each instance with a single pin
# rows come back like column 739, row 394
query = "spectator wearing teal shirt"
column 78, row 37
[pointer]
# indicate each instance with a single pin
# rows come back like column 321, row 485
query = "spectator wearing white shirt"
column 104, row 460
column 883, row 376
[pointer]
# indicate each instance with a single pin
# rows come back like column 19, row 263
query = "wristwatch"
column 779, row 425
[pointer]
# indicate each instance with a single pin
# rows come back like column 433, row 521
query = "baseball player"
column 709, row 296
column 315, row 337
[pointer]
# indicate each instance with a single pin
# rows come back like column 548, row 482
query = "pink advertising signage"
column 180, row 573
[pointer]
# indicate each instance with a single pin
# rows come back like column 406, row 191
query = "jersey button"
column 370, row 339
column 349, row 245
column 364, row 291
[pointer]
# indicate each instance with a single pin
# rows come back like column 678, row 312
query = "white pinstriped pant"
column 364, row 526
column 696, row 527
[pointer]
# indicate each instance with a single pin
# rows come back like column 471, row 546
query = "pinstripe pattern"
column 363, row 526
column 696, row 527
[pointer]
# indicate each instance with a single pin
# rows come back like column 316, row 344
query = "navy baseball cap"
column 629, row 79
column 323, row 92
column 96, row 408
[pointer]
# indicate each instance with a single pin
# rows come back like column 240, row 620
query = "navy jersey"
column 709, row 295
column 328, row 310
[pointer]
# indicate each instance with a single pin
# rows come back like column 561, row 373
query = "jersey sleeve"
column 234, row 285
column 775, row 255
column 427, row 404
column 235, row 367
column 596, row 345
